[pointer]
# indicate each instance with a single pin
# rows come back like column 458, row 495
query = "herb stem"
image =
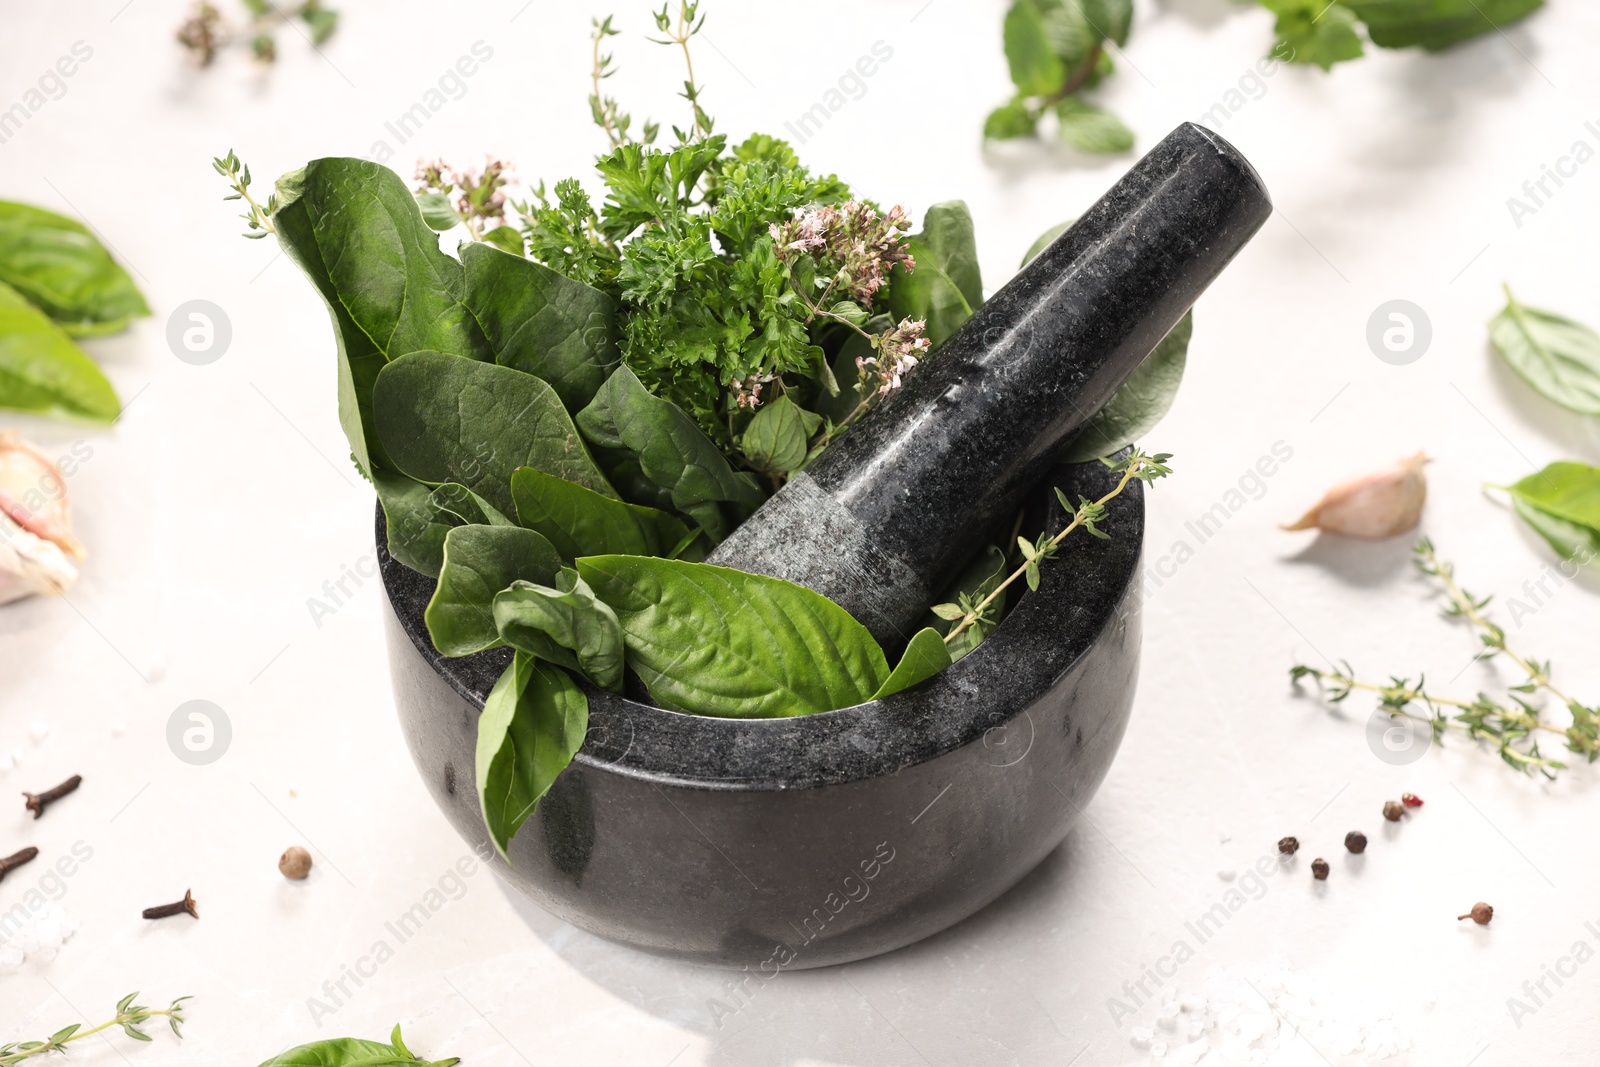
column 596, row 72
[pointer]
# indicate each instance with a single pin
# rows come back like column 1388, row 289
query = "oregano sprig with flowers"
column 1513, row 726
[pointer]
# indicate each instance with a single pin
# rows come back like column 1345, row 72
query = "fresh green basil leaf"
column 42, row 371
column 416, row 525
column 714, row 641
column 946, row 287
column 1565, row 490
column 533, row 723
column 1139, row 403
column 1091, row 129
column 507, row 239
column 1571, row 540
column 58, row 265
column 1436, row 24
column 565, row 625
column 1010, row 121
column 779, row 436
column 923, row 658
column 458, row 502
column 354, row 1052
column 446, row 419
column 1557, row 356
column 1035, row 68
column 437, row 211
column 671, row 450
column 542, row 322
column 1315, row 32
column 480, row 561
column 357, row 233
column 581, row 522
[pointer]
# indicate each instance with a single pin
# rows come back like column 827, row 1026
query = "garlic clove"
column 38, row 552
column 1375, row 506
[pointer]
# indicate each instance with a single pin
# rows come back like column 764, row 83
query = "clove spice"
column 37, row 802
column 16, row 859
column 163, row 911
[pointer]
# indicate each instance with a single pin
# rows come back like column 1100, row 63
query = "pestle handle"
column 889, row 511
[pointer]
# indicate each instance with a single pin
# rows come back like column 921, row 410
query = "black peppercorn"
column 1355, row 841
column 1288, row 845
column 1393, row 809
column 1319, row 869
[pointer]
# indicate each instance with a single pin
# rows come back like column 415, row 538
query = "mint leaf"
column 1319, row 32
column 1091, row 129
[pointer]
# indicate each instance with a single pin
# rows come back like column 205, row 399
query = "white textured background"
column 223, row 501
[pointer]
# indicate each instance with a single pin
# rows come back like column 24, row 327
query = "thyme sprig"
column 1513, row 726
column 1138, row 466
column 128, row 1016
column 258, row 218
column 679, row 31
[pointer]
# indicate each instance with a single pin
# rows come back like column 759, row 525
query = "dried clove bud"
column 1376, row 506
column 38, row 553
column 1355, row 841
column 295, row 863
column 1393, row 810
column 1481, row 913
column 1319, row 869
column 1288, row 845
column 187, row 906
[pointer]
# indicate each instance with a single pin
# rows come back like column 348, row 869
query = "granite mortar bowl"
column 773, row 844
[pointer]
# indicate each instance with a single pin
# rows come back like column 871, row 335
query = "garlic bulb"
column 38, row 553
column 1376, row 506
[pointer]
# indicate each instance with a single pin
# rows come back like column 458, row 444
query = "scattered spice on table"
column 1355, row 841
column 185, row 906
column 1288, row 845
column 37, row 802
column 17, row 859
column 1481, row 913
column 1319, row 869
column 295, row 863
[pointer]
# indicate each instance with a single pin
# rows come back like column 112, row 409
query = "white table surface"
column 222, row 502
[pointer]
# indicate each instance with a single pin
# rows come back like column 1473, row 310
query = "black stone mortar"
column 804, row 842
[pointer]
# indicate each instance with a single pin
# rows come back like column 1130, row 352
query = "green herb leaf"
column 713, row 641
column 1091, row 129
column 1035, row 68
column 507, row 239
column 533, row 723
column 1009, row 121
column 42, row 371
column 355, row 230
column 1110, row 19
column 57, row 264
column 352, row 1052
column 1045, row 240
column 480, row 561
column 437, row 211
column 416, row 524
column 980, row 578
column 1436, row 24
column 1139, row 403
column 565, row 625
column 458, row 502
column 581, row 522
column 779, row 436
column 1557, row 356
column 671, row 451
column 322, row 22
column 923, row 658
column 542, row 322
column 946, row 287
column 1562, row 504
column 442, row 418
column 1320, row 32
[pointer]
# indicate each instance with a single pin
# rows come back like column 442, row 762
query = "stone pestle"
column 884, row 517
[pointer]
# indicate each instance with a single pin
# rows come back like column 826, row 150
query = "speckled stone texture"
column 911, row 491
column 790, row 843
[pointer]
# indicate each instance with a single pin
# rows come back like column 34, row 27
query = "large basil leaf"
column 542, row 322
column 945, row 287
column 581, row 522
column 480, row 561
column 533, row 723
column 42, row 371
column 1140, row 402
column 713, row 641
column 446, row 419
column 1558, row 357
column 779, row 436
column 58, row 264
column 354, row 1052
column 565, row 625
column 1562, row 504
column 356, row 231
column 671, row 450
column 1436, row 24
column 924, row 657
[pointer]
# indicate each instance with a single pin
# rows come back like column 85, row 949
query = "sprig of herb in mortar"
column 128, row 1016
column 968, row 612
column 205, row 33
column 1056, row 50
column 1512, row 726
column 1325, row 32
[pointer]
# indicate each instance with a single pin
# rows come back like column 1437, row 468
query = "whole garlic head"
column 38, row 552
column 1375, row 506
